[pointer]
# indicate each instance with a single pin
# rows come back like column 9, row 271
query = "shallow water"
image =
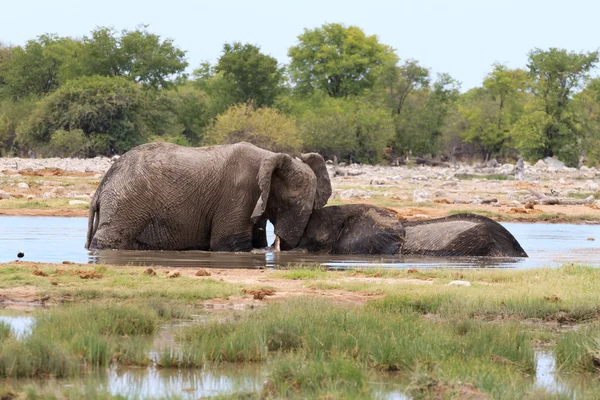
column 55, row 239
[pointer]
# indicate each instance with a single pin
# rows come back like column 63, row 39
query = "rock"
column 459, row 283
column 593, row 187
column 23, row 185
column 449, row 183
column 378, row 182
column 540, row 164
column 354, row 193
column 4, row 195
column 421, row 196
column 562, row 181
column 75, row 202
column 583, row 168
column 554, row 163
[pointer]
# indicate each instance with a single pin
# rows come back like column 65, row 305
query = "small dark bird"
column 20, row 254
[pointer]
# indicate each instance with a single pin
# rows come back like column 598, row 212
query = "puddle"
column 55, row 239
column 19, row 325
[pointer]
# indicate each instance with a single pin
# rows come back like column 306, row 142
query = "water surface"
column 56, row 239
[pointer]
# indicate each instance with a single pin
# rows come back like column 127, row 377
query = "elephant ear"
column 317, row 164
column 265, row 173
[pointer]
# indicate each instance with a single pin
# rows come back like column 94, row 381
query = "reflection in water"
column 20, row 325
column 54, row 239
column 154, row 383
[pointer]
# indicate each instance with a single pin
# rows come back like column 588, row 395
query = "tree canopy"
column 338, row 60
column 343, row 94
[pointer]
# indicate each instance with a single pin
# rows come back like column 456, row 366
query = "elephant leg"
column 259, row 234
column 114, row 236
column 231, row 236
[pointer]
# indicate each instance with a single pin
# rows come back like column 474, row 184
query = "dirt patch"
column 50, row 172
column 89, row 275
column 45, row 212
column 259, row 294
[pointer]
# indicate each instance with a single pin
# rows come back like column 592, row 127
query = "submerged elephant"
column 367, row 229
column 161, row 196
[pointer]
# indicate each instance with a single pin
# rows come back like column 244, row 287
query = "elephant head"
column 290, row 190
column 353, row 229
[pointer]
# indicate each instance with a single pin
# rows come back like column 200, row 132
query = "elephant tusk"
column 276, row 244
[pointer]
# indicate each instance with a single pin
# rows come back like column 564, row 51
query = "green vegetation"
column 106, row 283
column 344, row 94
column 437, row 341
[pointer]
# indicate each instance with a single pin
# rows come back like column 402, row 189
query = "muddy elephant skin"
column 367, row 229
column 161, row 196
column 353, row 229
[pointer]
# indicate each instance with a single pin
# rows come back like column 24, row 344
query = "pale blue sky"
column 461, row 37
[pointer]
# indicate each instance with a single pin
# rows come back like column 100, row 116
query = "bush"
column 263, row 127
column 103, row 109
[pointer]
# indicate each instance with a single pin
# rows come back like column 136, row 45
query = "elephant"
column 368, row 229
column 161, row 196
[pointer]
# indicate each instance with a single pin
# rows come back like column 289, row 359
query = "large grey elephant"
column 367, row 229
column 161, row 196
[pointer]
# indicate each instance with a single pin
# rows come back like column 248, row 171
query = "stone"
column 554, row 163
column 23, row 185
column 540, row 164
column 421, row 196
column 354, row 193
column 4, row 195
column 460, row 283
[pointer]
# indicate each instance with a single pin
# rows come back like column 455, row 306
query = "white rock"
column 562, row 181
column 354, row 193
column 593, row 186
column 459, row 283
column 4, row 195
column 74, row 202
column 421, row 196
column 23, row 185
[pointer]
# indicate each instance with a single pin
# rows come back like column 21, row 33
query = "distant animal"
column 368, row 229
column 20, row 254
column 162, row 196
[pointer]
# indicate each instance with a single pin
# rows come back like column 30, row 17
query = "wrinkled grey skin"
column 161, row 196
column 367, row 229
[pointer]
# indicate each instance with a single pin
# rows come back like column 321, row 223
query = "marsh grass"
column 65, row 340
column 295, row 376
column 385, row 341
column 579, row 351
column 5, row 331
column 301, row 271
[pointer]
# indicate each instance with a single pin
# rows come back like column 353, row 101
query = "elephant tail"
column 93, row 220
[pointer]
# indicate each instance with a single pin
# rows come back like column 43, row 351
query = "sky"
column 460, row 37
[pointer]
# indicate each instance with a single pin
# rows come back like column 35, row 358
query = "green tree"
column 557, row 75
column 491, row 111
column 253, row 76
column 418, row 128
column 352, row 129
column 338, row 60
column 265, row 127
column 39, row 67
column 104, row 109
column 138, row 55
column 400, row 81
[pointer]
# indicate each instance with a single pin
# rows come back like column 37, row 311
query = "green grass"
column 115, row 283
column 579, row 351
column 66, row 340
column 489, row 177
column 5, row 331
column 301, row 271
